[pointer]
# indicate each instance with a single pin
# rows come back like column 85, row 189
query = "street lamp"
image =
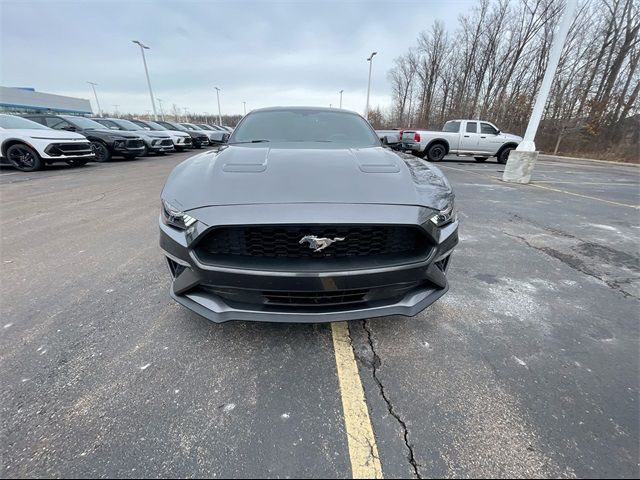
column 521, row 161
column 219, row 111
column 117, row 114
column 161, row 111
column 340, row 92
column 244, row 105
column 366, row 109
column 93, row 85
column 146, row 71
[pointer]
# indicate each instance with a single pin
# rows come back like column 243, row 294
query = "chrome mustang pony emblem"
column 318, row 244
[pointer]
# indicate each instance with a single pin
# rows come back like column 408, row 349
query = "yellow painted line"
column 495, row 179
column 363, row 451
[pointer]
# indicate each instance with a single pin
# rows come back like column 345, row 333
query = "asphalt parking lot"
column 528, row 367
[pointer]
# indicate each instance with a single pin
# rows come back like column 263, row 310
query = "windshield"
column 149, row 125
column 172, row 126
column 306, row 125
column 204, row 127
column 84, row 122
column 188, row 126
column 12, row 122
column 127, row 125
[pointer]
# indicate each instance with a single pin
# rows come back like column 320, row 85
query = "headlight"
column 175, row 217
column 446, row 216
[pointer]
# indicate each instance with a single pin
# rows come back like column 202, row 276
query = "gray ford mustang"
column 304, row 217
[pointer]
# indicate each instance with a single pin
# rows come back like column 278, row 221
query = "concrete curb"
column 546, row 156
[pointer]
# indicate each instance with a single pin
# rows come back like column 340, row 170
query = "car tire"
column 503, row 155
column 197, row 146
column 24, row 158
column 160, row 153
column 130, row 156
column 101, row 151
column 179, row 149
column 145, row 152
column 77, row 162
column 435, row 152
column 480, row 159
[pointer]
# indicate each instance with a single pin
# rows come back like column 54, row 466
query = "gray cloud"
column 261, row 52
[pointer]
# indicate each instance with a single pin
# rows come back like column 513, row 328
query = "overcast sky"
column 262, row 52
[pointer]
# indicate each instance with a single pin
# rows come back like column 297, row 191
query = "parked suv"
column 28, row 146
column 181, row 140
column 156, row 142
column 199, row 139
column 105, row 143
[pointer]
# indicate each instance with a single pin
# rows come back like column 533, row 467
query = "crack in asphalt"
column 374, row 371
column 576, row 264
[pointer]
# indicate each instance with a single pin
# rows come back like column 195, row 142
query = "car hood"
column 49, row 134
column 511, row 136
column 258, row 174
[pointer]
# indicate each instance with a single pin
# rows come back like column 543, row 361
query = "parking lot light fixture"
column 219, row 111
column 93, row 85
column 521, row 161
column 143, row 47
column 116, row 112
column 244, row 105
column 340, row 92
column 370, row 60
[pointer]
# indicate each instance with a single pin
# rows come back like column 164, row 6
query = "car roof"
column 298, row 108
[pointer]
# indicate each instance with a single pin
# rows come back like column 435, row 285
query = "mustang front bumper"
column 221, row 292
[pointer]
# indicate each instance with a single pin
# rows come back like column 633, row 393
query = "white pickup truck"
column 469, row 138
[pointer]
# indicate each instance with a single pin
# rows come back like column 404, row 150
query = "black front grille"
column 284, row 242
column 134, row 143
column 69, row 149
column 187, row 140
column 338, row 297
column 166, row 143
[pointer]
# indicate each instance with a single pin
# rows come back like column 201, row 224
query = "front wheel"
column 129, row 156
column 179, row 149
column 503, row 156
column 77, row 162
column 436, row 152
column 480, row 159
column 101, row 152
column 24, row 158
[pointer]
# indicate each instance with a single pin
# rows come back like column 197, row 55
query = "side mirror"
column 385, row 141
column 225, row 138
column 498, row 132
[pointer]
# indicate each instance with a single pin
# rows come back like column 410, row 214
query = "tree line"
column 492, row 65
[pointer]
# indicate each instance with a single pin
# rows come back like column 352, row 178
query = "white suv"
column 28, row 146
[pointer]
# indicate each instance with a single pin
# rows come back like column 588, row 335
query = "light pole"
column 370, row 60
column 340, row 92
column 219, row 111
column 244, row 105
column 161, row 111
column 93, row 85
column 146, row 71
column 185, row 110
column 521, row 161
column 117, row 114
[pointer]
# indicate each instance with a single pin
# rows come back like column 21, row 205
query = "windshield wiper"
column 250, row 141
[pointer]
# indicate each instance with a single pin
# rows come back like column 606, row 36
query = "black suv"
column 105, row 143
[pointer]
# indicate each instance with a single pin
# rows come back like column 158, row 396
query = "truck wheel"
column 480, row 159
column 101, row 152
column 24, row 158
column 436, row 152
column 503, row 156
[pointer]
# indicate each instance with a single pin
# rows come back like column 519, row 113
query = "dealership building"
column 27, row 100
